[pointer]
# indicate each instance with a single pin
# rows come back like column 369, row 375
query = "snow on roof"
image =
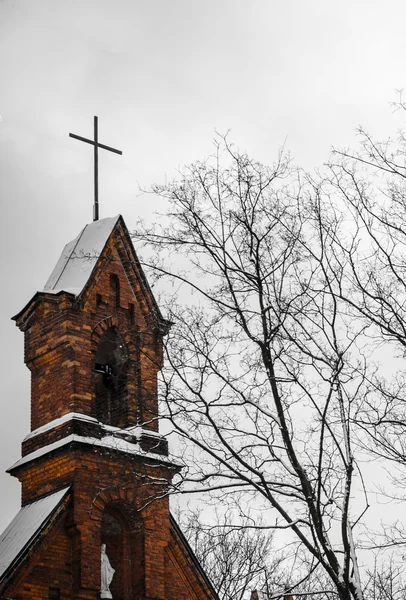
column 24, row 527
column 79, row 257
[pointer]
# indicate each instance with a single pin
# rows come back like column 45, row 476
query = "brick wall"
column 116, row 498
column 62, row 334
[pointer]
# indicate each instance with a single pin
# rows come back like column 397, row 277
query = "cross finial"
column 95, row 143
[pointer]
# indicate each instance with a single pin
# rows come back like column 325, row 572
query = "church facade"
column 95, row 470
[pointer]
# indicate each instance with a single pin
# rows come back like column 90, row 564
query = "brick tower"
column 94, row 468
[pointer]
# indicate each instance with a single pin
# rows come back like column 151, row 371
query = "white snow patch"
column 108, row 441
column 59, row 421
column 79, row 257
column 24, row 526
column 134, row 430
column 137, row 431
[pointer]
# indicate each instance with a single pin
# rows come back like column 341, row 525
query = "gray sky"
column 163, row 76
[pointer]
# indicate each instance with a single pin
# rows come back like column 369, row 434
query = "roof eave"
column 35, row 300
column 192, row 555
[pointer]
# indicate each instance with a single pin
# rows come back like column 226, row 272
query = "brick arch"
column 109, row 323
column 126, row 498
column 101, row 327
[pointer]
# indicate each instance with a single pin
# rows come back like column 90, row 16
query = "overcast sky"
column 163, row 76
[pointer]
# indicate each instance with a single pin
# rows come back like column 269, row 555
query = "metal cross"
column 96, row 145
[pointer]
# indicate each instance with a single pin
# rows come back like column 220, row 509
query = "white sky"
column 163, row 76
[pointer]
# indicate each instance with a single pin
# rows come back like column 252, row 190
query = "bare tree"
column 241, row 558
column 264, row 372
column 371, row 184
column 385, row 582
column 236, row 559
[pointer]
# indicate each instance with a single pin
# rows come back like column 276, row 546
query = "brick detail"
column 115, row 497
column 62, row 334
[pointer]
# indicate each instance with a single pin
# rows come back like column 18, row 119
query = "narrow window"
column 110, row 373
column 115, row 290
column 131, row 313
column 99, row 299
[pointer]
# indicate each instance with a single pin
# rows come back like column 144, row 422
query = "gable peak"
column 79, row 257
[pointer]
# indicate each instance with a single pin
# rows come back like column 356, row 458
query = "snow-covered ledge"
column 110, row 442
column 60, row 421
column 134, row 430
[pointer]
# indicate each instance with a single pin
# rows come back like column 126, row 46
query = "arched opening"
column 110, row 369
column 115, row 536
column 121, row 533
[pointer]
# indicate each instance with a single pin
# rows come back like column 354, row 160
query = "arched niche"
column 110, row 375
column 121, row 531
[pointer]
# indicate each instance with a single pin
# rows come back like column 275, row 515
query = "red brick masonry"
column 118, row 470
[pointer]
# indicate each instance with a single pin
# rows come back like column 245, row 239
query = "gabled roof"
column 186, row 546
column 78, row 258
column 73, row 271
column 25, row 528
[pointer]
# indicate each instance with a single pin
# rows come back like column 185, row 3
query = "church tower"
column 94, row 469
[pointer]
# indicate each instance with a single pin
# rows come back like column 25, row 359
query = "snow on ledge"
column 59, row 421
column 135, row 430
column 109, row 441
column 138, row 431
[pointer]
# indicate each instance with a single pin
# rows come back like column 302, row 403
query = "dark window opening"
column 110, row 372
column 54, row 593
column 99, row 299
column 115, row 290
column 131, row 313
